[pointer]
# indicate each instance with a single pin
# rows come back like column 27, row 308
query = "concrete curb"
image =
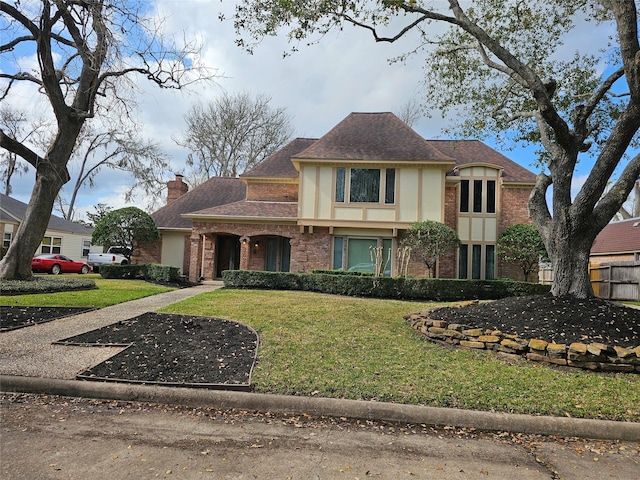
column 355, row 409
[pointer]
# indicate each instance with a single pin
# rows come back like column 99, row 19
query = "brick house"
column 617, row 242
column 322, row 203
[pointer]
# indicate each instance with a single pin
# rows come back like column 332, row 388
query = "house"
column 62, row 236
column 324, row 203
column 617, row 242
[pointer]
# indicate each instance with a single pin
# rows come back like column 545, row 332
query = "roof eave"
column 237, row 219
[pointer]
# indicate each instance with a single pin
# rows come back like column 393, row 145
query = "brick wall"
column 513, row 209
column 176, row 188
column 273, row 192
column 308, row 250
column 148, row 253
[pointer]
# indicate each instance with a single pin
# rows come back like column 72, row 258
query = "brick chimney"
column 176, row 188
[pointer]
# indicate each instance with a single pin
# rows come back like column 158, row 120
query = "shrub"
column 45, row 285
column 123, row 271
column 162, row 273
column 382, row 287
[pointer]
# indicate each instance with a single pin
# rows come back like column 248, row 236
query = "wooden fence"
column 616, row 281
column 613, row 281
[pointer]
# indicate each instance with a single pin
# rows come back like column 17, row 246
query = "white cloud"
column 318, row 85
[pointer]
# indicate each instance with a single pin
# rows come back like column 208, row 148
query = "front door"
column 227, row 253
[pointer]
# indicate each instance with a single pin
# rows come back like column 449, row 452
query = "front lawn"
column 322, row 345
column 109, row 292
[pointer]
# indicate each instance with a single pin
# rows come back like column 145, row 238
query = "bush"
column 45, row 285
column 444, row 290
column 162, row 273
column 123, row 271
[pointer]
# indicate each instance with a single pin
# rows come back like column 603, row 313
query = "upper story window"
column 478, row 196
column 365, row 185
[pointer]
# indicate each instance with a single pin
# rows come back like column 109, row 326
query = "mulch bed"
column 553, row 319
column 12, row 318
column 174, row 350
column 216, row 353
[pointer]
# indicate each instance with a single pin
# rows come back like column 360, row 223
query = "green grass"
column 342, row 347
column 109, row 292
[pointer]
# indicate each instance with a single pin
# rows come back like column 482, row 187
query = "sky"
column 318, row 86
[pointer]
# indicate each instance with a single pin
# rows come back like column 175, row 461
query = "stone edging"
column 592, row 356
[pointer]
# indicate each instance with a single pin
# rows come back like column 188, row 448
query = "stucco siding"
column 431, row 194
column 407, row 194
column 307, row 195
column 173, row 249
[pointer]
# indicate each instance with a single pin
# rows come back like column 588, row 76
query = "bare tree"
column 116, row 147
column 232, row 134
column 16, row 125
column 410, row 112
column 86, row 53
column 498, row 67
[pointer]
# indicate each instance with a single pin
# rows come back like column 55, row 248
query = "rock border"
column 587, row 356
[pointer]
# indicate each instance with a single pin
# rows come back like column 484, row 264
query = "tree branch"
column 19, row 149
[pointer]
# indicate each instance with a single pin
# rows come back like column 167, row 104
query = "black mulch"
column 553, row 319
column 175, row 350
column 12, row 318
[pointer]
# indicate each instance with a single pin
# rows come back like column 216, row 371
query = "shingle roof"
column 279, row 164
column 12, row 210
column 474, row 151
column 213, row 192
column 252, row 209
column 618, row 237
column 373, row 136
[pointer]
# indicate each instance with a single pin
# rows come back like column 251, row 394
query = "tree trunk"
column 16, row 264
column 51, row 175
column 569, row 252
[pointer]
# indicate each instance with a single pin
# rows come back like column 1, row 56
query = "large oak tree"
column 520, row 68
column 86, row 53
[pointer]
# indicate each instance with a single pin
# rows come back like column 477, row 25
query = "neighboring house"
column 61, row 236
column 617, row 242
column 323, row 203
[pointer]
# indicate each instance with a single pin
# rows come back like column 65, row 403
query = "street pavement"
column 49, row 437
column 63, row 428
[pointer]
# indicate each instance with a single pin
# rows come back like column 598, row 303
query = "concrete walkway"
column 29, row 351
column 30, row 363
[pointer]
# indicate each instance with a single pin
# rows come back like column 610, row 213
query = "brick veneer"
column 308, row 250
column 148, row 253
column 272, row 192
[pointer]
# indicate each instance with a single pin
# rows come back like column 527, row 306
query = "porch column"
column 245, row 250
column 208, row 256
column 195, row 258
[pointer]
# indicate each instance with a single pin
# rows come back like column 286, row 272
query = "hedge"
column 443, row 290
column 154, row 272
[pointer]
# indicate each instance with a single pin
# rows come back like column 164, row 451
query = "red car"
column 56, row 264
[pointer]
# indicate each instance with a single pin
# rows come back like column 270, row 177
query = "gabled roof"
column 251, row 209
column 12, row 210
column 375, row 137
column 279, row 164
column 474, row 151
column 618, row 237
column 213, row 192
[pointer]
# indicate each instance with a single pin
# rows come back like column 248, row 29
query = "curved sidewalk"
column 29, row 363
